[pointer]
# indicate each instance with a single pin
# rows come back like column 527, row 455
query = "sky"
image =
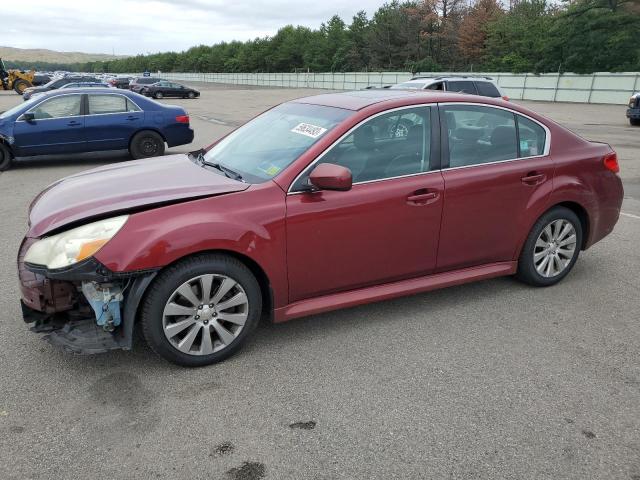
column 127, row 27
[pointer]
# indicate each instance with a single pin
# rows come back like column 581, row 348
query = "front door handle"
column 533, row 178
column 131, row 118
column 74, row 123
column 422, row 197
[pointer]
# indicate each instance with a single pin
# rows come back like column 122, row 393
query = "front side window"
column 479, row 135
column 101, row 104
column 532, row 137
column 269, row 143
column 389, row 145
column 435, row 86
column 58, row 107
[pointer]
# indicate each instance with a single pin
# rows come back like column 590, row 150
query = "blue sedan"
column 88, row 120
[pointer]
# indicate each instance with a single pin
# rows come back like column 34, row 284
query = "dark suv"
column 137, row 83
column 633, row 112
column 57, row 83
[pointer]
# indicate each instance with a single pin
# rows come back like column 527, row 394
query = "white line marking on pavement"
column 631, row 215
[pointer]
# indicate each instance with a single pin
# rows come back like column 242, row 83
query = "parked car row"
column 320, row 203
column 148, row 86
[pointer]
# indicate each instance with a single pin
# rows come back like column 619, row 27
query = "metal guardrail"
column 612, row 88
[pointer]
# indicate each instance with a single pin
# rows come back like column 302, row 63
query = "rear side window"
column 480, row 135
column 58, row 107
column 487, row 89
column 462, row 86
column 102, row 104
column 532, row 137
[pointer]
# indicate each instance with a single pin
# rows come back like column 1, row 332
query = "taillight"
column 611, row 162
column 182, row 119
column 505, row 98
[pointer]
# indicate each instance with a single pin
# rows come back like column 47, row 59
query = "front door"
column 498, row 168
column 57, row 127
column 386, row 227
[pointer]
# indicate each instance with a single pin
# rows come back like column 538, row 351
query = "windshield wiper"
column 228, row 172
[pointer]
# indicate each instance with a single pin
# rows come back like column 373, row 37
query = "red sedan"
column 317, row 204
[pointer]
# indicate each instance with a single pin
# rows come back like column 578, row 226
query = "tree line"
column 581, row 36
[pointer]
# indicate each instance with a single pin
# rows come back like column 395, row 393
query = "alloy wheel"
column 205, row 314
column 554, row 248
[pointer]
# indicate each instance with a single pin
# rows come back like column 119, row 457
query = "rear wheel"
column 201, row 310
column 146, row 144
column 20, row 86
column 158, row 95
column 551, row 249
column 5, row 158
column 634, row 121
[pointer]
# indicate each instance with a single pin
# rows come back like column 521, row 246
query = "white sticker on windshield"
column 309, row 130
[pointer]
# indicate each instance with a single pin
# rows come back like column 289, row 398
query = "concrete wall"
column 614, row 88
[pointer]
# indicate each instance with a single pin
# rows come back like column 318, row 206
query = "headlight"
column 72, row 246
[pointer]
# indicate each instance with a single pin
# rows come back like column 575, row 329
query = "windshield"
column 18, row 108
column 409, row 85
column 268, row 144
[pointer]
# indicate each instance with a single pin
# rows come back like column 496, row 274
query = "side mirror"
column 28, row 117
column 328, row 176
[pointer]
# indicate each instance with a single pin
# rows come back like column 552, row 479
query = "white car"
column 483, row 86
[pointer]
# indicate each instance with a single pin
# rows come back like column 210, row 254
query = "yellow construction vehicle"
column 15, row 79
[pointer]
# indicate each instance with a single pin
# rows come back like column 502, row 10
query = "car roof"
column 359, row 99
column 67, row 91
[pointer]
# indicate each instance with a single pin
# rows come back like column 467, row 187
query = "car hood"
column 123, row 187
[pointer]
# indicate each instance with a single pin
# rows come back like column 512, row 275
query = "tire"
column 191, row 95
column 158, row 315
column 146, row 144
column 20, row 86
column 6, row 159
column 158, row 95
column 548, row 239
column 634, row 121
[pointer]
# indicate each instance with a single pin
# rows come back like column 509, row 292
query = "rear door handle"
column 131, row 118
column 533, row 178
column 422, row 197
column 74, row 123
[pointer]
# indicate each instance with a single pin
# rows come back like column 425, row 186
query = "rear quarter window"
column 487, row 89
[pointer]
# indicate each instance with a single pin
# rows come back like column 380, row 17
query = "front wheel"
column 551, row 249
column 146, row 144
column 20, row 86
column 201, row 310
column 191, row 95
column 634, row 121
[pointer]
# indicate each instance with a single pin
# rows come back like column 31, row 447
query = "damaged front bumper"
column 84, row 308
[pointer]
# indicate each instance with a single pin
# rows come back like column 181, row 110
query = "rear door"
column 111, row 120
column 496, row 171
column 58, row 127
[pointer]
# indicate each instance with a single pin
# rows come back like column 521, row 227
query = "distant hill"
column 31, row 55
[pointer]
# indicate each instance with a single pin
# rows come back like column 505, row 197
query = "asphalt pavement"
column 492, row 380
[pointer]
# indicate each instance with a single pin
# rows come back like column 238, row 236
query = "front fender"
column 249, row 223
